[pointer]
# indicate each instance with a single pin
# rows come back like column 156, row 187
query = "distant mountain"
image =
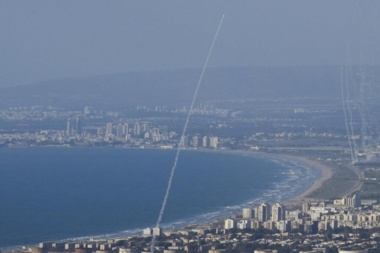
column 177, row 87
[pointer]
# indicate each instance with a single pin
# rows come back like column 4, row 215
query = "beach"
column 326, row 174
column 56, row 185
column 326, row 171
column 228, row 209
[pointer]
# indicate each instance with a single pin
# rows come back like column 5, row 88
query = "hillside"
column 176, row 87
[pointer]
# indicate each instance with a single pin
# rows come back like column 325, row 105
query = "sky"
column 43, row 39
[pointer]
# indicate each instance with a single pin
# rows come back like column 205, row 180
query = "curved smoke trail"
column 182, row 136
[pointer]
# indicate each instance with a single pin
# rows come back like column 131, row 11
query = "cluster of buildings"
column 265, row 215
column 314, row 217
column 157, row 231
column 137, row 133
column 215, row 240
column 144, row 127
column 89, row 126
column 314, row 227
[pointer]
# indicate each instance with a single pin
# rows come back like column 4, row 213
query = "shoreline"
column 326, row 174
column 326, row 171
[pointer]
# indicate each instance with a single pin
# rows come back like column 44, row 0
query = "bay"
column 58, row 193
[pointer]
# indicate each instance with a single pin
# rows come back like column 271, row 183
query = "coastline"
column 326, row 173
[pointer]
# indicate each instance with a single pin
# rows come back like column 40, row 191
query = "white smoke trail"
column 182, row 136
column 351, row 118
column 345, row 114
column 348, row 107
column 363, row 111
column 367, row 93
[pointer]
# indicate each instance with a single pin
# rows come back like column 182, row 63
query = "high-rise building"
column 229, row 224
column 244, row 224
column 269, row 224
column 263, row 212
column 247, row 213
column 195, row 141
column 78, row 125
column 330, row 224
column 353, row 201
column 284, row 225
column 156, row 137
column 68, row 127
column 157, row 231
column 109, row 130
column 305, row 207
column 137, row 129
column 120, row 131
column 255, row 224
column 125, row 129
column 204, row 141
column 278, row 212
column 183, row 142
column 213, row 142
column 147, row 231
column 144, row 127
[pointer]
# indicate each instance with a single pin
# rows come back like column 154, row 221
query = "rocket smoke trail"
column 182, row 136
column 345, row 115
column 351, row 119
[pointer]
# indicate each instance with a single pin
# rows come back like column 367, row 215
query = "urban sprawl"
column 338, row 217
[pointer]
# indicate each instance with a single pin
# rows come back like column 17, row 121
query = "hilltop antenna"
column 180, row 143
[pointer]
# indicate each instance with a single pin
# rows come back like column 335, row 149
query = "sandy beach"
column 326, row 171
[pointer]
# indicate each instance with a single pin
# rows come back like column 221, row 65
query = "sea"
column 56, row 193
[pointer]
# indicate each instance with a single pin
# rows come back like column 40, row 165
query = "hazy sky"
column 52, row 39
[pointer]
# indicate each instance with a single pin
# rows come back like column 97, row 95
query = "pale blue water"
column 59, row 193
